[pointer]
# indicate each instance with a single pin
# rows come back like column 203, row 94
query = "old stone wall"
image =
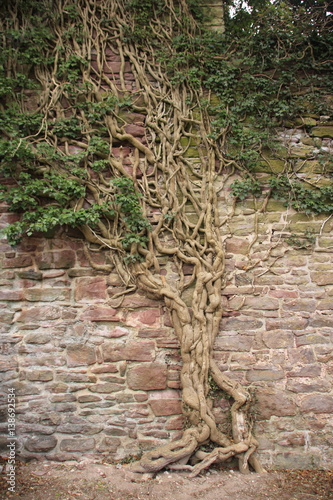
column 97, row 377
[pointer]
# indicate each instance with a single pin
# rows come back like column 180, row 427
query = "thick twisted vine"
column 164, row 215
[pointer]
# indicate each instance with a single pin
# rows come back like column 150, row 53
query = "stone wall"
column 94, row 379
column 98, row 378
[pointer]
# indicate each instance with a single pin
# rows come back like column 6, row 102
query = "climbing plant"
column 65, row 117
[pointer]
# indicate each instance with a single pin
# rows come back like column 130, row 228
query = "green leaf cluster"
column 128, row 201
column 314, row 200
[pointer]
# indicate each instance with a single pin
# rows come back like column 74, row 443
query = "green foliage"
column 241, row 189
column 128, row 201
column 13, row 153
column 96, row 111
column 67, row 127
column 28, row 191
column 255, row 73
column 46, row 218
column 70, row 68
column 29, row 45
column 314, row 200
column 293, row 193
column 18, row 124
column 302, row 241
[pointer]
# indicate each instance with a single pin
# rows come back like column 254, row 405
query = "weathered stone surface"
column 81, row 355
column 77, row 444
column 305, row 371
column 131, row 351
column 271, row 402
column 37, row 338
column 100, row 313
column 53, row 273
column 106, row 388
column 277, row 339
column 11, row 295
column 149, row 317
column 234, row 343
column 137, row 301
column 30, row 275
column 320, row 321
column 240, row 324
column 40, row 375
column 109, row 444
column 292, row 323
column 317, row 403
column 262, row 303
column 81, row 427
column 135, row 130
column 322, row 131
column 308, row 305
column 17, row 261
column 117, row 332
column 288, row 460
column 268, row 374
column 40, row 313
column 115, row 431
column 40, row 444
column 236, row 246
column 308, row 386
column 105, row 368
column 57, row 259
column 322, row 278
column 147, row 377
column 312, row 338
column 293, row 439
column 46, row 294
column 165, row 403
column 90, row 289
column 88, row 398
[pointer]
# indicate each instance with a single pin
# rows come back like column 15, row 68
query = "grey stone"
column 265, row 374
column 40, row 443
column 271, row 402
column 78, row 444
column 317, row 403
column 277, row 339
column 290, row 460
column 106, row 388
column 236, row 324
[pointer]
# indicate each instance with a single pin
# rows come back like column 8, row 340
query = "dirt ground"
column 98, row 481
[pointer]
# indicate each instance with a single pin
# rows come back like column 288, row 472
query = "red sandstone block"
column 138, row 301
column 115, row 67
column 128, row 77
column 106, row 368
column 121, row 151
column 18, row 261
column 90, row 289
column 147, row 377
column 40, row 313
column 80, row 355
column 135, row 130
column 149, row 317
column 283, row 294
column 57, row 259
column 175, row 423
column 133, row 351
column 100, row 313
column 11, row 295
column 165, row 403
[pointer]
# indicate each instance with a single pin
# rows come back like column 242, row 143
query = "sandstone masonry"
column 94, row 379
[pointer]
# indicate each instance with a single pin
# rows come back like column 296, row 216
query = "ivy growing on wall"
column 210, row 103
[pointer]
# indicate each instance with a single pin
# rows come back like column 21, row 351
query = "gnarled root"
column 175, row 455
column 160, row 457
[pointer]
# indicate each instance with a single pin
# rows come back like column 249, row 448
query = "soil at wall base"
column 100, row 481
